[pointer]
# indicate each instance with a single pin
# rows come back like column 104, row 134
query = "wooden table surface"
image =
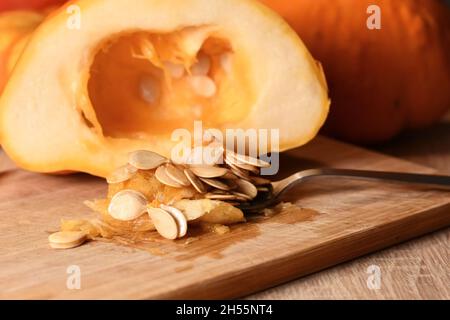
column 417, row 269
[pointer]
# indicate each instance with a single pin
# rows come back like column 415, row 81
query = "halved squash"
column 80, row 99
column 15, row 29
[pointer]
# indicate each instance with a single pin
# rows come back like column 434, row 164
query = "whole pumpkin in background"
column 381, row 81
column 28, row 4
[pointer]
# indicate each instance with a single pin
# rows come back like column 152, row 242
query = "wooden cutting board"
column 353, row 218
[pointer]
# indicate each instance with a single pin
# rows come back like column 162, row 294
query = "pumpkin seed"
column 127, row 205
column 242, row 165
column 259, row 181
column 222, row 197
column 177, row 175
column 163, row 177
column 247, row 188
column 179, row 217
column 229, row 176
column 146, row 160
column 219, row 192
column 203, row 65
column 243, row 196
column 239, row 172
column 164, row 222
column 231, row 162
column 67, row 239
column 216, row 184
column 202, row 85
column 176, row 71
column 248, row 160
column 208, row 171
column 149, row 89
column 252, row 169
column 196, row 183
column 229, row 159
column 121, row 174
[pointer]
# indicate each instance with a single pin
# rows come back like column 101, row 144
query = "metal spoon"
column 280, row 187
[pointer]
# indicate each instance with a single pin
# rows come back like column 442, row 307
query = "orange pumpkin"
column 28, row 4
column 381, row 81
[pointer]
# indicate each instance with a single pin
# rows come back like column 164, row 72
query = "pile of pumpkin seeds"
column 235, row 180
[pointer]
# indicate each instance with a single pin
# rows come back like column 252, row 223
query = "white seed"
column 163, row 177
column 202, row 86
column 145, row 160
column 176, row 70
column 247, row 188
column 67, row 239
column 230, row 176
column 164, row 222
column 177, row 175
column 259, row 181
column 222, row 197
column 149, row 89
column 248, row 160
column 226, row 62
column 243, row 196
column 237, row 171
column 122, row 174
column 216, row 184
column 208, row 171
column 127, row 205
column 250, row 168
column 198, row 185
column 179, row 217
column 203, row 65
column 241, row 165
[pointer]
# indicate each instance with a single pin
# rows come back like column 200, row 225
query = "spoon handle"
column 414, row 178
column 279, row 187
